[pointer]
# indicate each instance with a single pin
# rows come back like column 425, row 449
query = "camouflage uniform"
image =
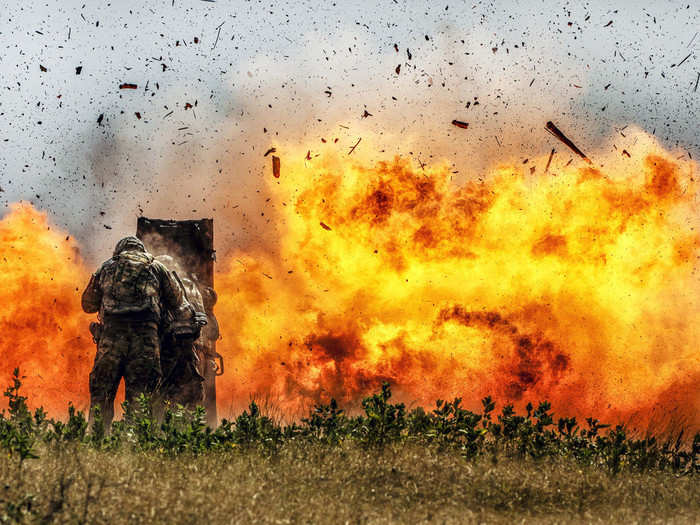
column 128, row 292
column 182, row 381
column 210, row 334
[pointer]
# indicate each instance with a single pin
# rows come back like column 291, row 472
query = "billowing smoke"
column 216, row 88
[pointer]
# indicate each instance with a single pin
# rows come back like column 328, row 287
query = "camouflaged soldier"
column 182, row 381
column 129, row 292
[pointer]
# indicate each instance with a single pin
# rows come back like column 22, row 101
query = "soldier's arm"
column 92, row 296
column 170, row 290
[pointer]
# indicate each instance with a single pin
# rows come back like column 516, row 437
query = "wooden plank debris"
column 563, row 138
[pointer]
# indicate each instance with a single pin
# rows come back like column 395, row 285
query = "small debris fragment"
column 608, row 24
column 325, row 226
column 686, row 58
column 78, row 70
column 275, row 166
column 398, row 69
column 138, row 115
column 271, row 150
column 460, row 124
column 218, row 33
column 366, row 114
column 396, row 47
column 99, row 119
column 107, row 227
column 128, row 86
column 353, row 148
column 549, row 161
column 625, row 152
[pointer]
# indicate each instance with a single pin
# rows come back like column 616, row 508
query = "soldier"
column 129, row 292
column 182, row 381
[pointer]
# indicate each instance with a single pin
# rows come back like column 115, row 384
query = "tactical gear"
column 129, row 285
column 188, row 320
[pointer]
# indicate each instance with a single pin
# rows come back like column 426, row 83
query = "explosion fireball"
column 575, row 285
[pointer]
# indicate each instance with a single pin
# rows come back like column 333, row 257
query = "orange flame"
column 577, row 286
column 43, row 330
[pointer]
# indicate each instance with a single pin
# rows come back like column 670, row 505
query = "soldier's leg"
column 142, row 368
column 190, row 384
column 168, row 362
column 107, row 372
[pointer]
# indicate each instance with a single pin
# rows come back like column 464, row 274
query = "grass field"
column 345, row 484
column 385, row 465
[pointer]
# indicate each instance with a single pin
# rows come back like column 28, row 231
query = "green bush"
column 176, row 431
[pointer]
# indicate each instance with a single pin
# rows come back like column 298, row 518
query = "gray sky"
column 270, row 73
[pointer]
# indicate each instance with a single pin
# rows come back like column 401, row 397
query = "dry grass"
column 71, row 483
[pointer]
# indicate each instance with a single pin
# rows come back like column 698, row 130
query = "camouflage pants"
column 130, row 349
column 182, row 383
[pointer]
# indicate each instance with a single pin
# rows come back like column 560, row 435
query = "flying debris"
column 558, row 134
column 276, row 166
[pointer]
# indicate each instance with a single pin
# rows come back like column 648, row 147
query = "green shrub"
column 176, row 431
